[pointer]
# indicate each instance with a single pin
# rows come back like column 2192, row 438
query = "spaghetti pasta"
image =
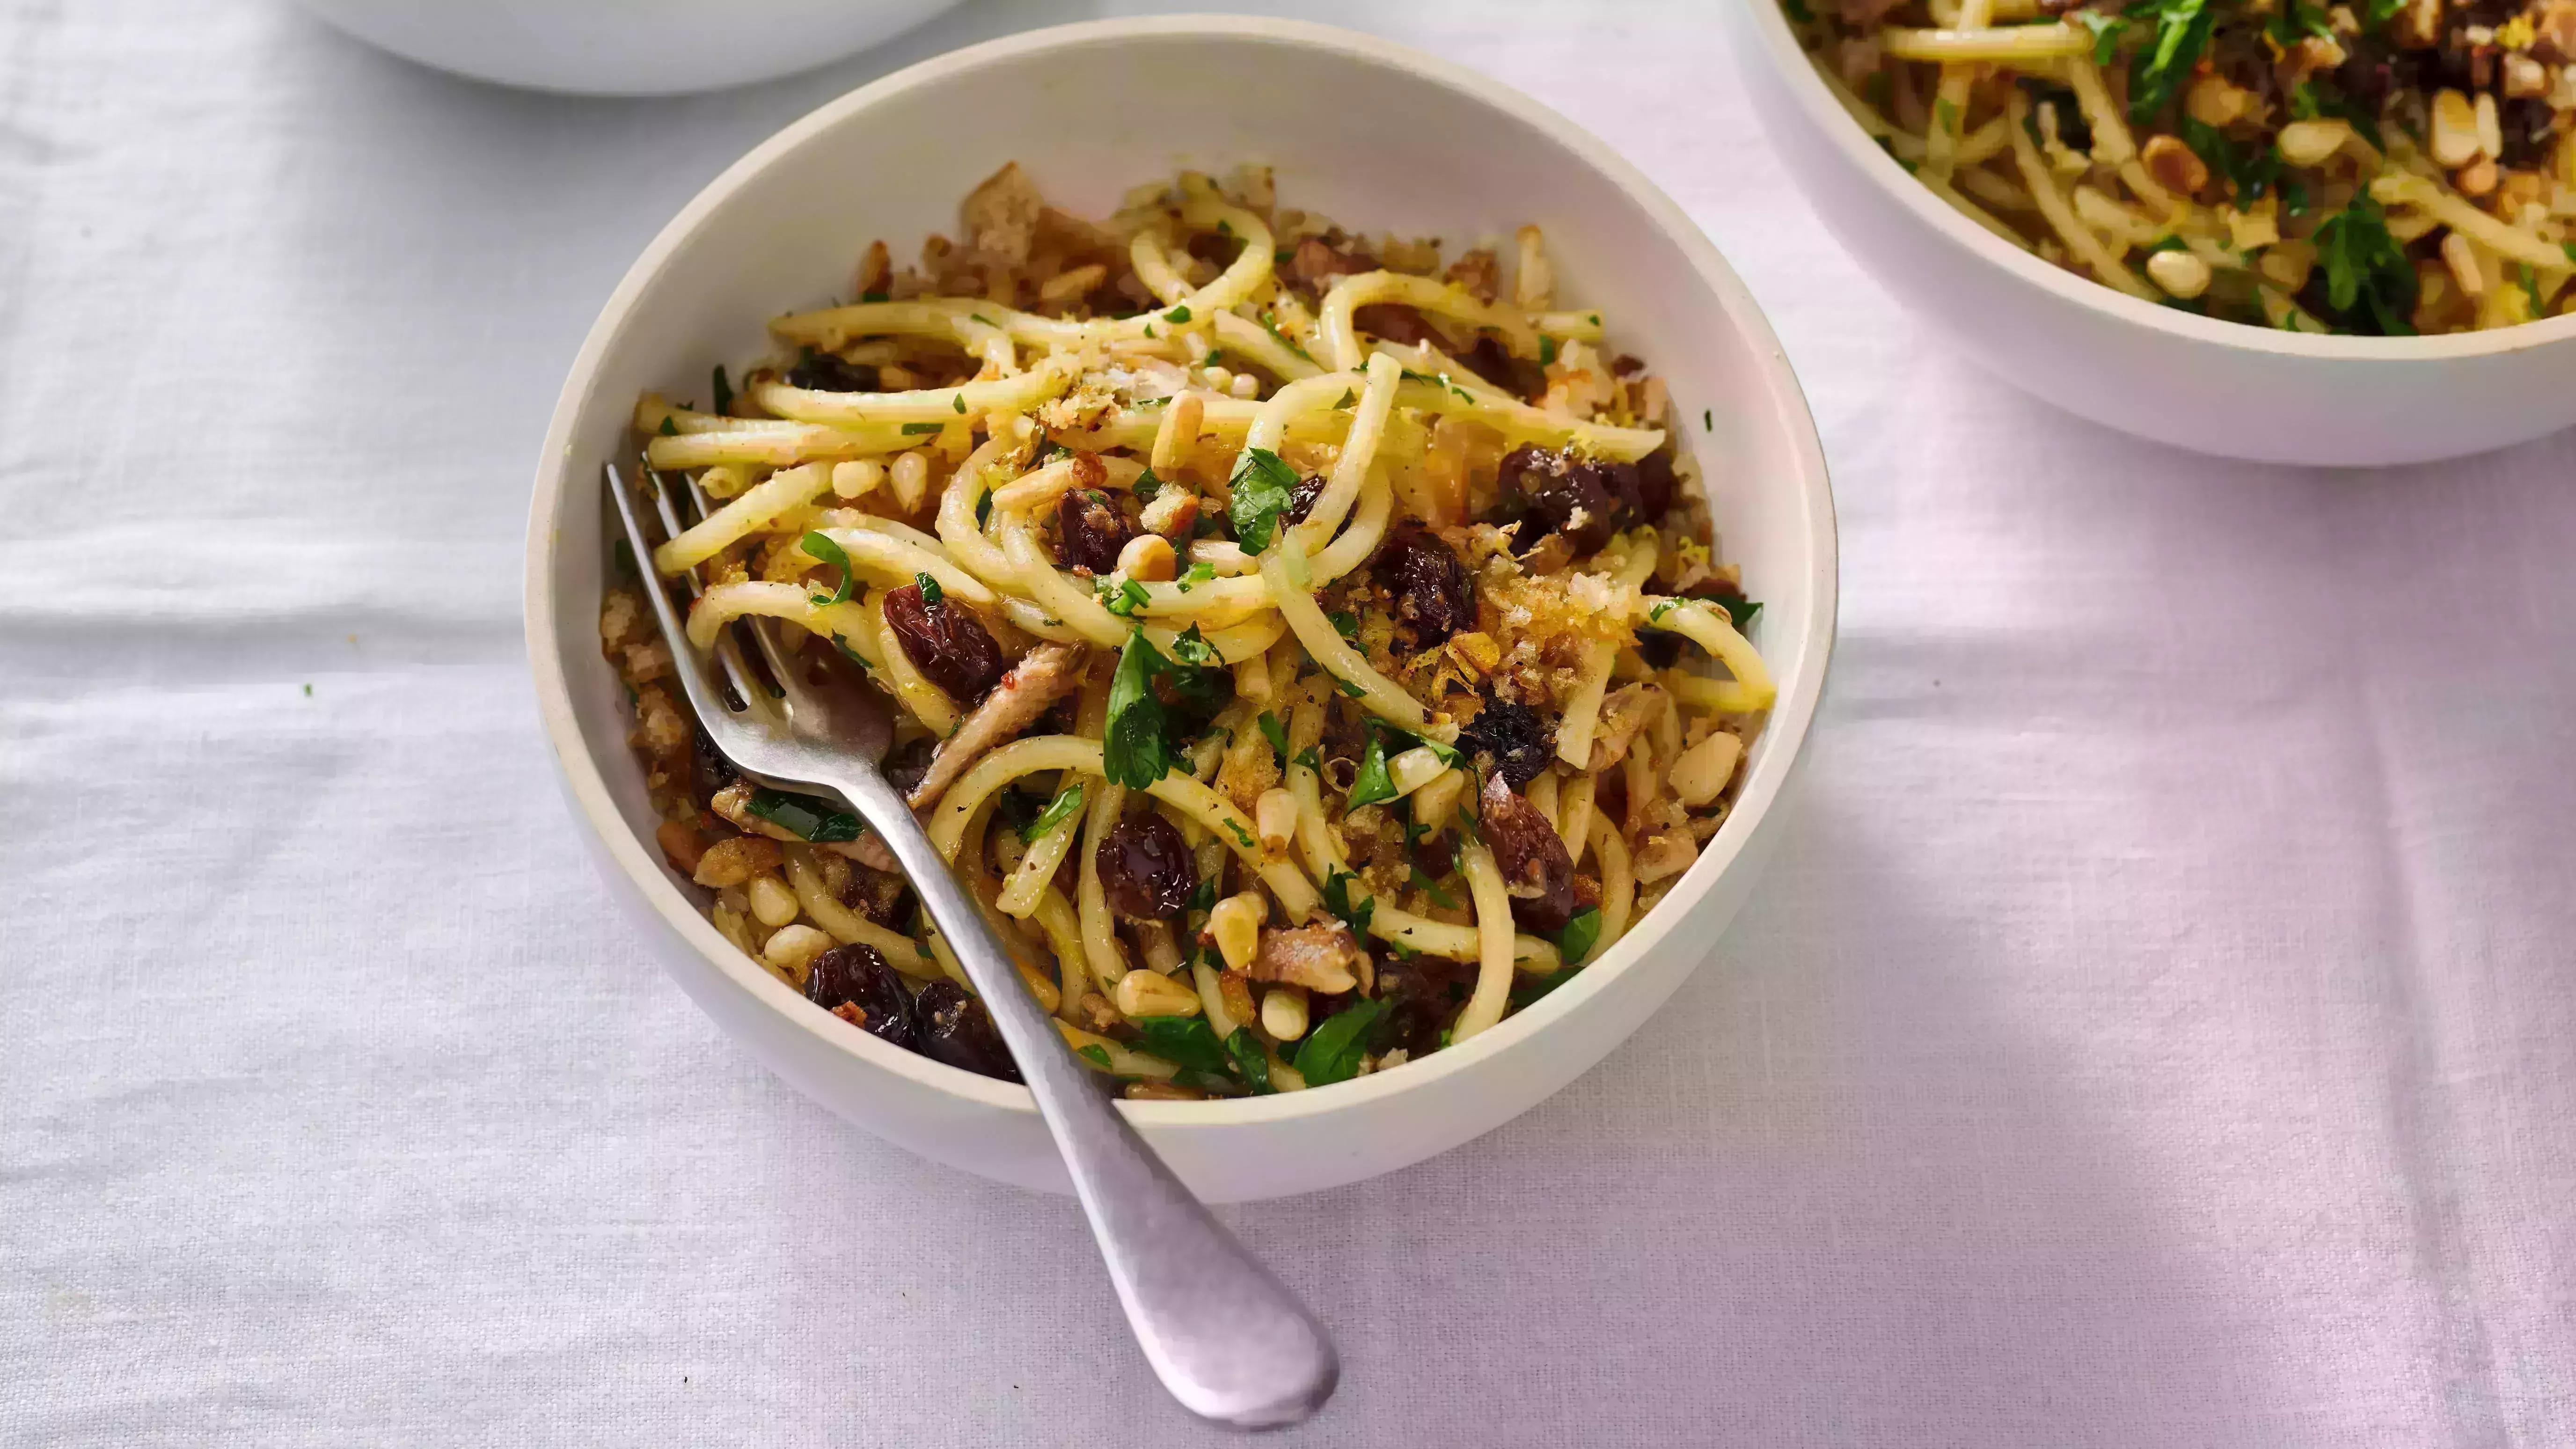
column 1200, row 568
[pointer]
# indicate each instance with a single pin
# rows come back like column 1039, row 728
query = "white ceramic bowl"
column 625, row 47
column 2217, row 387
column 1382, row 139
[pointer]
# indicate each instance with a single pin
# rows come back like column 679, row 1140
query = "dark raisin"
column 1317, row 264
column 1145, row 867
column 956, row 1029
column 1432, row 594
column 946, row 642
column 1655, row 485
column 1394, row 322
column 908, row 763
column 1555, row 492
column 2530, row 128
column 858, row 979
column 1659, row 648
column 1510, row 740
column 1537, row 869
column 1519, row 376
column 824, row 372
column 1301, row 499
column 1421, row 995
column 712, row 771
column 1217, row 249
column 1090, row 532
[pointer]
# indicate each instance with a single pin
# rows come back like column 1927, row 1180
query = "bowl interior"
column 1381, row 141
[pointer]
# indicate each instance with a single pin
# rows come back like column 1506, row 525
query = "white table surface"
column 2156, row 1030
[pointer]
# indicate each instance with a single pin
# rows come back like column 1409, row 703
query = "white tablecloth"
column 2156, row 1030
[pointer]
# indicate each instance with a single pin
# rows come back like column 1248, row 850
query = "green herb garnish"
column 1094, row 1053
column 959, row 404
column 1429, row 887
column 1184, row 1041
column 1132, row 747
column 805, row 817
column 820, row 546
column 2157, row 71
column 1275, row 732
column 668, row 429
column 1250, row 1062
column 1372, row 784
column 915, row 430
column 931, row 593
column 2366, row 270
column 1195, row 575
column 1059, row 810
column 1345, row 623
column 1582, row 931
column 1262, row 487
column 1337, row 899
column 1546, row 351
column 1177, row 314
column 1122, row 597
column 1332, row 1052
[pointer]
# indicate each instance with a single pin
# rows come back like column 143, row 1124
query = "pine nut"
column 856, row 477
column 1700, row 775
column 2478, row 178
column 1275, row 818
column 1283, row 1013
column 2309, row 143
column 793, row 949
column 2180, row 273
column 772, row 903
column 1180, row 429
column 1148, row 558
column 2490, row 127
column 1236, row 926
column 911, row 476
column 1151, row 993
column 2455, row 129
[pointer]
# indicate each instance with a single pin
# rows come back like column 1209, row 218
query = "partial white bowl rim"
column 1784, row 732
column 1790, row 58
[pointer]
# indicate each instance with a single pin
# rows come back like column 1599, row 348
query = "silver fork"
column 1226, row 1337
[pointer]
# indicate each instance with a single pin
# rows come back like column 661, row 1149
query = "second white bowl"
column 1372, row 135
column 2192, row 381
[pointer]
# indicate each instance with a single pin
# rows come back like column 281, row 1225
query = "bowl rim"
column 1785, row 730
column 1791, row 60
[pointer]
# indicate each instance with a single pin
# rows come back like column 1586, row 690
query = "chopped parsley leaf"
column 1546, row 351
column 1261, row 487
column 1429, row 887
column 1060, row 809
column 931, row 593
column 1250, row 1063
column 1122, row 597
column 822, row 548
column 959, row 404
column 1582, row 931
column 1275, row 732
column 1094, row 1053
column 1332, row 1052
column 1372, row 784
column 1337, row 899
column 1197, row 574
column 1177, row 314
column 914, row 430
column 804, row 816
column 1345, row 623
column 668, row 429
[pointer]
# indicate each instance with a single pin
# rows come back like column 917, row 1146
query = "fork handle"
column 1227, row 1338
